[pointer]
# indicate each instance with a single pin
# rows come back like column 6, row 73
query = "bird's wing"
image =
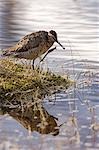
column 29, row 42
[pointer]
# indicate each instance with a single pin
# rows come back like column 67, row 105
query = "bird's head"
column 53, row 34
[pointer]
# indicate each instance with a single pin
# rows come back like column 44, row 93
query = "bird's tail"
column 5, row 52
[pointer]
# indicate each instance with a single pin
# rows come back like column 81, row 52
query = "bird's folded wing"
column 28, row 42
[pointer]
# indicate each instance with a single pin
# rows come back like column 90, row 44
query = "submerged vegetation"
column 21, row 85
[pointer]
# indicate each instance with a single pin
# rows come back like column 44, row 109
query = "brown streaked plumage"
column 33, row 45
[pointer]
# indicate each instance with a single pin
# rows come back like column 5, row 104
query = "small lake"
column 72, row 113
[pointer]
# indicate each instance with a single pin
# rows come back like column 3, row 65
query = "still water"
column 77, row 25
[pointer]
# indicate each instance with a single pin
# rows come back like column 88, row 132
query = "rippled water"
column 77, row 25
column 75, row 21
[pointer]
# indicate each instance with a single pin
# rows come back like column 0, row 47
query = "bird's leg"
column 33, row 64
column 50, row 50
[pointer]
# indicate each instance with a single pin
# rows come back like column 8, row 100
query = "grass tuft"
column 20, row 84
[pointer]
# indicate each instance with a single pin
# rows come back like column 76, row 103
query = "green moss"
column 17, row 82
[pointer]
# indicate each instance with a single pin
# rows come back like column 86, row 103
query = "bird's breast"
column 44, row 47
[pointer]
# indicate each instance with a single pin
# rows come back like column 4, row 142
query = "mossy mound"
column 19, row 84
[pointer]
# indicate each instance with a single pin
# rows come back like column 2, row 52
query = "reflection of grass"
column 17, row 82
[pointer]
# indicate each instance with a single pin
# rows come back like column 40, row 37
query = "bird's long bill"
column 60, row 44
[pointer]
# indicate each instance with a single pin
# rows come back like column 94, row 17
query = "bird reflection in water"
column 35, row 118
